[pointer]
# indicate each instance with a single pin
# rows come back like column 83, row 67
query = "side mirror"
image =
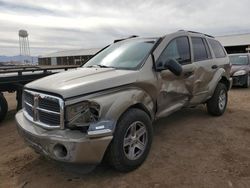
column 174, row 66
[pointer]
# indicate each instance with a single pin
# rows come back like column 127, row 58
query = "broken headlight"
column 81, row 114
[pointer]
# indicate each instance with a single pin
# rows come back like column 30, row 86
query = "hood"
column 83, row 80
column 236, row 68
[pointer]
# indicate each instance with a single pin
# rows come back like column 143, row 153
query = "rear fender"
column 220, row 73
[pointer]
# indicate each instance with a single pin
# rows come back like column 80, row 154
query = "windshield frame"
column 142, row 62
column 238, row 55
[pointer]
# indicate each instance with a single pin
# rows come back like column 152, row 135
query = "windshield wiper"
column 101, row 66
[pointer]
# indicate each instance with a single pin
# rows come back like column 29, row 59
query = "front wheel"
column 217, row 104
column 132, row 141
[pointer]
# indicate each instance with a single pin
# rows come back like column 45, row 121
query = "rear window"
column 217, row 48
column 199, row 49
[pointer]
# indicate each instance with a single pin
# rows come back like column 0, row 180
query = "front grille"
column 239, row 80
column 29, row 98
column 52, row 119
column 28, row 109
column 49, row 104
column 44, row 110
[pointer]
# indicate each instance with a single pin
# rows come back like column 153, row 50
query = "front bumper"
column 239, row 80
column 62, row 145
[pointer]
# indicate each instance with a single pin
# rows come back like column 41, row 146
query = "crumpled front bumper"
column 63, row 145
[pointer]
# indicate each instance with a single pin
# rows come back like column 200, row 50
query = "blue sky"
column 55, row 25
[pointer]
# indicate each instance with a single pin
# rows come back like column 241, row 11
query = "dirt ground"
column 190, row 149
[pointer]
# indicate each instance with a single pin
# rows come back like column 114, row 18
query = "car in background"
column 240, row 69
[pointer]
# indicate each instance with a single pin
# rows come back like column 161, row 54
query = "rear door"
column 206, row 67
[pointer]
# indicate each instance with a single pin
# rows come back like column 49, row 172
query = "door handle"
column 214, row 67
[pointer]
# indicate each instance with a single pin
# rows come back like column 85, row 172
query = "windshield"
column 239, row 59
column 124, row 55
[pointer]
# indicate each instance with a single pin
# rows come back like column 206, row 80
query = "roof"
column 65, row 53
column 234, row 40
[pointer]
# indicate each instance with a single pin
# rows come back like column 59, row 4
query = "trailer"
column 13, row 79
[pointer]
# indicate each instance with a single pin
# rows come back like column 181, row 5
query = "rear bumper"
column 70, row 146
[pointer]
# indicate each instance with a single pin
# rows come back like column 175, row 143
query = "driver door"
column 175, row 91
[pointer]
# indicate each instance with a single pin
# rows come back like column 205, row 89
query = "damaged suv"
column 106, row 107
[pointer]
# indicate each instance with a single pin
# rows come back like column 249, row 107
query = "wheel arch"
column 225, row 81
column 220, row 76
column 139, row 106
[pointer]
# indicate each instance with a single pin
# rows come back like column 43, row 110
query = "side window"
column 207, row 49
column 199, row 48
column 177, row 49
column 217, row 48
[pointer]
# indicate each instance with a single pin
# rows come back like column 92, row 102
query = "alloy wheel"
column 135, row 140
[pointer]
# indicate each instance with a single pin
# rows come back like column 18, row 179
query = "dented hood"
column 83, row 80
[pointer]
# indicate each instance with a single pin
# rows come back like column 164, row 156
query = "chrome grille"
column 51, row 119
column 49, row 104
column 45, row 110
column 28, row 109
column 29, row 98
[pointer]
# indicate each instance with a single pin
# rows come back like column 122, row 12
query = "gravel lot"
column 190, row 149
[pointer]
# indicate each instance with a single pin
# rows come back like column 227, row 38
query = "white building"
column 68, row 57
column 239, row 43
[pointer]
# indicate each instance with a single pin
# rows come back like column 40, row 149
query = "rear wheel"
column 216, row 105
column 132, row 141
column 3, row 107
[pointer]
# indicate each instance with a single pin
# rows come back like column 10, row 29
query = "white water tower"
column 24, row 45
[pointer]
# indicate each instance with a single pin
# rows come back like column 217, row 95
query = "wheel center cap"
column 133, row 140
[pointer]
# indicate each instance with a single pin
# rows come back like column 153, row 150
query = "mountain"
column 19, row 58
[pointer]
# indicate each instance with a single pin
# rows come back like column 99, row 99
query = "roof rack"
column 132, row 36
column 199, row 33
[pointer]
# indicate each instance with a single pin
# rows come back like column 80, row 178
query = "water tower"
column 24, row 44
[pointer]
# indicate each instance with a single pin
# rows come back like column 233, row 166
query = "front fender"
column 127, row 99
column 114, row 104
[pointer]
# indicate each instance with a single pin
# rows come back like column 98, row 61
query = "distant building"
column 69, row 57
column 239, row 43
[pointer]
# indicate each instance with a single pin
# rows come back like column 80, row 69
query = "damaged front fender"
column 113, row 104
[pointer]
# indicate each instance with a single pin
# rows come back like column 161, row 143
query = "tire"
column 124, row 153
column 3, row 107
column 246, row 85
column 217, row 104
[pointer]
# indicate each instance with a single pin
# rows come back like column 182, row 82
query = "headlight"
column 240, row 73
column 81, row 114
